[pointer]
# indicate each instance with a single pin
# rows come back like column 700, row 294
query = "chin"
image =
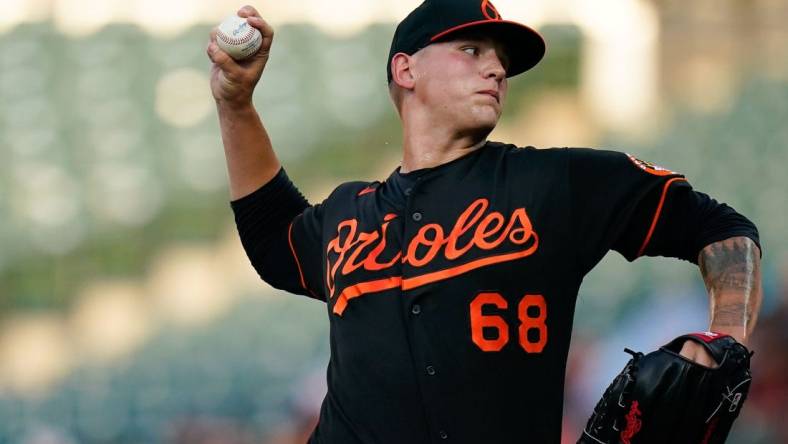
column 480, row 131
column 485, row 116
column 479, row 120
column 485, row 125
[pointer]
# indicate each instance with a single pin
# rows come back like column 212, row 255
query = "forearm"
column 251, row 161
column 731, row 270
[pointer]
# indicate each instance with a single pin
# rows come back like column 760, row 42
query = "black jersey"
column 450, row 291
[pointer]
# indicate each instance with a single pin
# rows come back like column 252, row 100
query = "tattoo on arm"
column 731, row 270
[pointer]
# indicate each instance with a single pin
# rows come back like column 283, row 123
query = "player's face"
column 464, row 82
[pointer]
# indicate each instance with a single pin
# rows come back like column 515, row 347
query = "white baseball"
column 237, row 38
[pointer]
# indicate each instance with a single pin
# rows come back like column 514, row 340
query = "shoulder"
column 608, row 159
column 594, row 154
column 537, row 157
column 512, row 151
column 341, row 200
column 580, row 160
column 348, row 191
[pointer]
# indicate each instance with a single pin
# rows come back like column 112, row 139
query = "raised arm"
column 251, row 161
column 731, row 270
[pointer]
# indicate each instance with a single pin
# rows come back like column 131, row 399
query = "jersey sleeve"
column 689, row 221
column 616, row 201
column 281, row 234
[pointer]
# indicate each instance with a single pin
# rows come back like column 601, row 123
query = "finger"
column 213, row 34
column 248, row 11
column 221, row 58
column 265, row 29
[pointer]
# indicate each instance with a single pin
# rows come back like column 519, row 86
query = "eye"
column 472, row 50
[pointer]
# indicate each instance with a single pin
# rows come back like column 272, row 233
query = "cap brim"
column 525, row 47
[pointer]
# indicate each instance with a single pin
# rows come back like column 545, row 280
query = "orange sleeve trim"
column 656, row 215
column 295, row 256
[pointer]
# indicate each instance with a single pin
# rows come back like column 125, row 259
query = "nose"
column 494, row 68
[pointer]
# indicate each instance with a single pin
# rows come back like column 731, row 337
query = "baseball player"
column 450, row 286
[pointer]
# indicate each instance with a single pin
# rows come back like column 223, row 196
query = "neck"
column 426, row 145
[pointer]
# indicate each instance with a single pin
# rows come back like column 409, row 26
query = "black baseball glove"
column 663, row 397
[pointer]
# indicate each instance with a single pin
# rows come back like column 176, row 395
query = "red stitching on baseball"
column 236, row 41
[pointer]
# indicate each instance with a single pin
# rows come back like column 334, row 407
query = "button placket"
column 412, row 210
column 416, row 215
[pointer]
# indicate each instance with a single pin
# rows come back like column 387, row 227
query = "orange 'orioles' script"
column 356, row 249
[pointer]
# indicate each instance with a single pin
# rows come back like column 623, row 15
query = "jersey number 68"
column 480, row 321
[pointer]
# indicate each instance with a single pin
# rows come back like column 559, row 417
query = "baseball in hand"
column 237, row 38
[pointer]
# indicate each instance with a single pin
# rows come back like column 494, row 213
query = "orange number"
column 480, row 321
column 529, row 323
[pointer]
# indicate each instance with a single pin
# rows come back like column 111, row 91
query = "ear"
column 402, row 70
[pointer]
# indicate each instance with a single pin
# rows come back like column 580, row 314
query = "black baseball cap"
column 439, row 20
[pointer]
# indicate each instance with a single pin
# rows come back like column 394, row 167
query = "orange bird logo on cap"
column 489, row 11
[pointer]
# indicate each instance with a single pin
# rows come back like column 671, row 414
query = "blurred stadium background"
column 128, row 310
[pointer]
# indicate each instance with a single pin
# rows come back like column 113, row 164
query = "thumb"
column 221, row 58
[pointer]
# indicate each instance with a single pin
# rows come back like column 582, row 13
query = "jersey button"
column 408, row 191
column 416, row 309
column 417, row 216
column 430, row 370
column 443, row 434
